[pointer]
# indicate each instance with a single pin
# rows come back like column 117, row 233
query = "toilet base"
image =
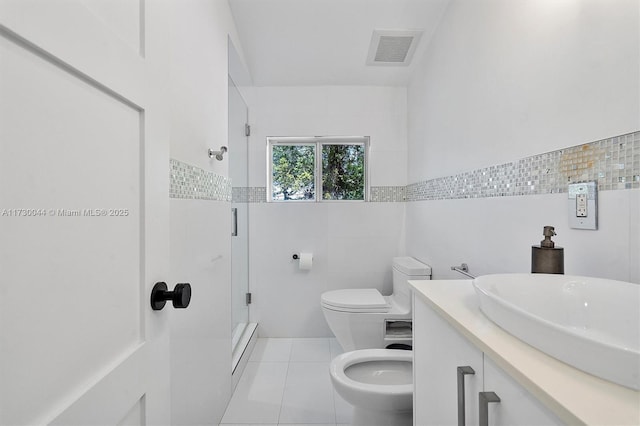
column 362, row 417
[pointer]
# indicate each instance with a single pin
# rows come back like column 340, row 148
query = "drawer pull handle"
column 462, row 371
column 484, row 398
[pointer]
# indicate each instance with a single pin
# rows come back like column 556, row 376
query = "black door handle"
column 180, row 296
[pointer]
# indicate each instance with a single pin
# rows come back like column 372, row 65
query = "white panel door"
column 83, row 212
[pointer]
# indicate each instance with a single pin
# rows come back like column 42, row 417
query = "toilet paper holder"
column 304, row 260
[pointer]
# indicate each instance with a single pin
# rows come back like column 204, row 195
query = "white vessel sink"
column 590, row 323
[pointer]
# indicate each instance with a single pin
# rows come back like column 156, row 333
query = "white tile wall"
column 489, row 90
column 613, row 163
column 200, row 333
column 200, row 237
column 513, row 103
column 378, row 112
column 353, row 243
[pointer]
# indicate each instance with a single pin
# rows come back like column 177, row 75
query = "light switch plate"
column 583, row 205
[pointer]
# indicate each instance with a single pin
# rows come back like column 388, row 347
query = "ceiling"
column 326, row 42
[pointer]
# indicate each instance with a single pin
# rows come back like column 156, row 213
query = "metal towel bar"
column 463, row 269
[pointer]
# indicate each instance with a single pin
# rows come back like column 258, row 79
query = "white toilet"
column 365, row 319
column 377, row 382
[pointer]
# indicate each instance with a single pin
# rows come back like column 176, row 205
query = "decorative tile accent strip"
column 191, row 182
column 614, row 163
column 248, row 194
column 378, row 194
column 388, row 194
column 240, row 194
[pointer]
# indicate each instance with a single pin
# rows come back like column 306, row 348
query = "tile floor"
column 286, row 382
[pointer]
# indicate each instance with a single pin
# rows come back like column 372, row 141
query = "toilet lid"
column 355, row 300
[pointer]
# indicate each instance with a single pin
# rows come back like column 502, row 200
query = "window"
column 318, row 168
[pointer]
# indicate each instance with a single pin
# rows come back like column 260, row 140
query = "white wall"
column 379, row 112
column 503, row 80
column 353, row 243
column 200, row 231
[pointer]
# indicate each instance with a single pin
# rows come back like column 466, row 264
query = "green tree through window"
column 338, row 174
column 343, row 172
column 293, row 172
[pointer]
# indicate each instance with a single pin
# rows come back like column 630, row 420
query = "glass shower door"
column 238, row 171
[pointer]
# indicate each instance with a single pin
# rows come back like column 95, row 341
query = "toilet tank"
column 404, row 269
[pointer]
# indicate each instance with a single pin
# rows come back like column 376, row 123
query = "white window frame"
column 318, row 142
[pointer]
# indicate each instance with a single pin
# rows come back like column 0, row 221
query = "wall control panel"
column 583, row 205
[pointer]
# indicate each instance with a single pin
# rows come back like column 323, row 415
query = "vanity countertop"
column 576, row 397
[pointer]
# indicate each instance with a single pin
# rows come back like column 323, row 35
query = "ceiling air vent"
column 392, row 47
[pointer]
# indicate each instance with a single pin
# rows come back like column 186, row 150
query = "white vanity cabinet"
column 438, row 351
column 517, row 406
column 450, row 372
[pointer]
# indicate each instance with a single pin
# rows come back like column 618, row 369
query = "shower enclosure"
column 238, row 144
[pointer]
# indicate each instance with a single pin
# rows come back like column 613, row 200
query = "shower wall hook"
column 295, row 256
column 218, row 154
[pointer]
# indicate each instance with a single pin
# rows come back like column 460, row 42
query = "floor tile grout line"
column 286, row 377
column 333, row 389
column 290, row 351
column 284, row 388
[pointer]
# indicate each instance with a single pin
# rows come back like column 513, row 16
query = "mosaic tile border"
column 378, row 194
column 249, row 194
column 388, row 194
column 191, row 182
column 614, row 163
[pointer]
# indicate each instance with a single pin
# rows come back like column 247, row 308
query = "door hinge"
column 248, row 298
column 247, row 129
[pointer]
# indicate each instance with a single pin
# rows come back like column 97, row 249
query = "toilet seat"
column 340, row 364
column 365, row 300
